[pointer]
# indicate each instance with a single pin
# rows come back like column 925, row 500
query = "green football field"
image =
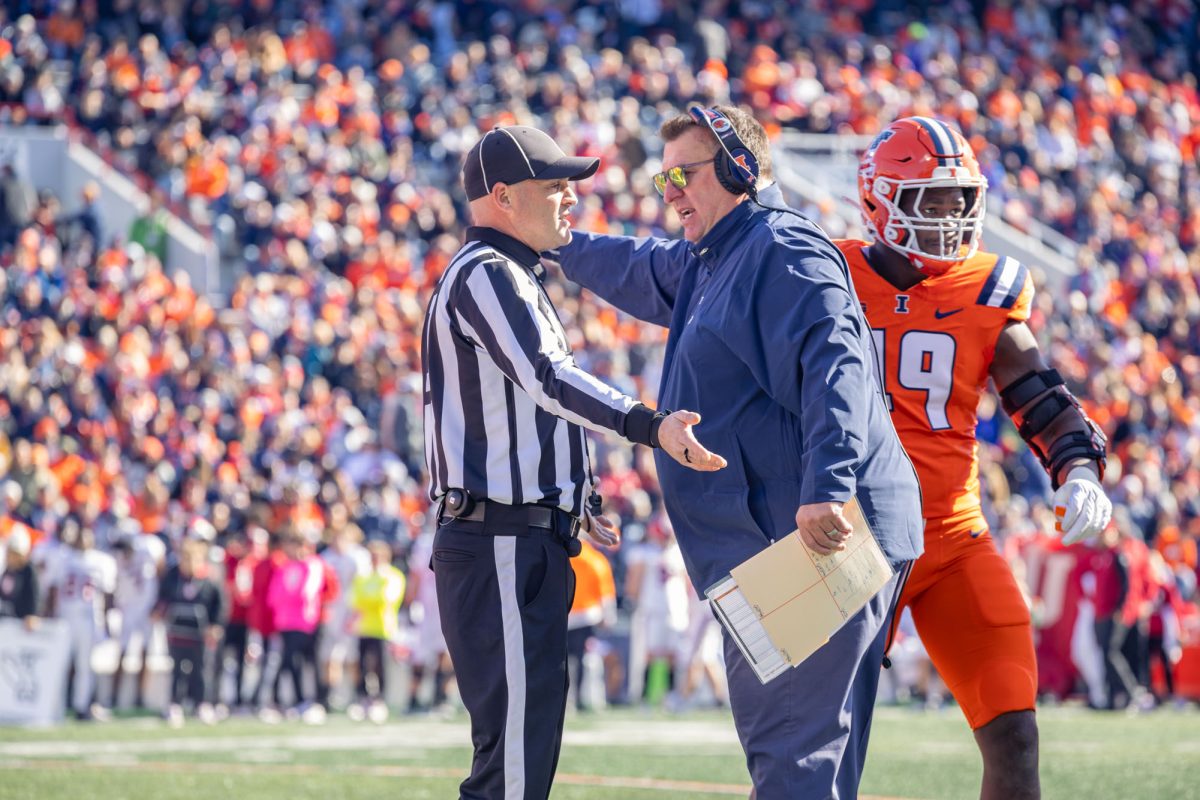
column 617, row 754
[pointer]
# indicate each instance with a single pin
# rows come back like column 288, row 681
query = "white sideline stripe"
column 439, row 735
column 514, row 667
column 689, row 788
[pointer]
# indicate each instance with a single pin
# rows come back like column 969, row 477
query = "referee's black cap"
column 518, row 153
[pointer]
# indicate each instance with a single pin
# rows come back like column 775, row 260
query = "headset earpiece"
column 731, row 176
column 723, row 166
column 735, row 166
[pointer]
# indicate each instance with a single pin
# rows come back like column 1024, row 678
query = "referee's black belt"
column 500, row 518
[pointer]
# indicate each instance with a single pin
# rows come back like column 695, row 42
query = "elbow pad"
column 1035, row 401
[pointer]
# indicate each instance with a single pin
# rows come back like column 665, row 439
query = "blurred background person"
column 18, row 581
column 1131, row 630
column 376, row 598
column 243, row 553
column 1163, row 630
column 265, row 645
column 1111, row 601
column 191, row 607
column 338, row 650
column 701, row 661
column 296, row 598
column 656, row 592
column 141, row 561
column 17, row 202
column 80, row 585
column 594, row 607
column 432, row 671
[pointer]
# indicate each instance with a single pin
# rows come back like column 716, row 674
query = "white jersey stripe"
column 452, row 426
column 1008, row 273
column 562, row 446
column 564, row 365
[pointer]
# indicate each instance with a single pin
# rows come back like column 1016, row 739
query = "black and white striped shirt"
column 505, row 402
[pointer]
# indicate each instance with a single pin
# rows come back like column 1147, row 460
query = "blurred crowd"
column 320, row 142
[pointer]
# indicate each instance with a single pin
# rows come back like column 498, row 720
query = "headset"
column 736, row 166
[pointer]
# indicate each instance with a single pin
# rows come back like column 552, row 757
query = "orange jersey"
column 934, row 344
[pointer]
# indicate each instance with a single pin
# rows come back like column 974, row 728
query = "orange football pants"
column 972, row 619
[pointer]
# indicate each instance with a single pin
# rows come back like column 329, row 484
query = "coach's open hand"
column 822, row 527
column 675, row 436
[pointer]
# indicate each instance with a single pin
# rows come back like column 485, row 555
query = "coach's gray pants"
column 805, row 732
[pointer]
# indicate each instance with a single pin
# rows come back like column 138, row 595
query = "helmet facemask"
column 948, row 240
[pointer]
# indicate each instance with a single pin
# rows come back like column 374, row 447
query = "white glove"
column 1080, row 506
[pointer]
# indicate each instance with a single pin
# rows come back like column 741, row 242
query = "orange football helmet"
column 911, row 156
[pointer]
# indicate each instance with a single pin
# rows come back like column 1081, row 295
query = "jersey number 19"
column 926, row 364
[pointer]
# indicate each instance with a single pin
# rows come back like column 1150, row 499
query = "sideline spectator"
column 376, row 598
column 18, row 582
column 243, row 553
column 295, row 598
column 141, row 562
column 338, row 649
column 594, row 607
column 190, row 605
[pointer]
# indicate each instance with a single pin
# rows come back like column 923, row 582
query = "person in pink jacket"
column 295, row 597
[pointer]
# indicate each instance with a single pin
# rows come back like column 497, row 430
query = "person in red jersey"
column 946, row 317
column 243, row 554
column 266, row 645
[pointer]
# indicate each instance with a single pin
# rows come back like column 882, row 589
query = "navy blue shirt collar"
column 723, row 235
column 515, row 249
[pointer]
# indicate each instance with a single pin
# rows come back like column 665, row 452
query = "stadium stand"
column 320, row 144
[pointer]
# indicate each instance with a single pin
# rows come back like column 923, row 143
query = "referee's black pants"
column 504, row 601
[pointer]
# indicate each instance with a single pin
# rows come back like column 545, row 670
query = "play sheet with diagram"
column 786, row 601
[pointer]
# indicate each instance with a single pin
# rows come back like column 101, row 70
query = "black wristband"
column 638, row 424
column 655, row 424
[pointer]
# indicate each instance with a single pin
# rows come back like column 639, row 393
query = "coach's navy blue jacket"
column 769, row 345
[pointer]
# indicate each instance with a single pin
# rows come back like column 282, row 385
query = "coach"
column 505, row 409
column 767, row 341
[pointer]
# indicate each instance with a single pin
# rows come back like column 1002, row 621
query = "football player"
column 945, row 317
column 81, row 586
column 141, row 561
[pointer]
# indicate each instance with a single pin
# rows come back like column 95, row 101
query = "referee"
column 505, row 411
